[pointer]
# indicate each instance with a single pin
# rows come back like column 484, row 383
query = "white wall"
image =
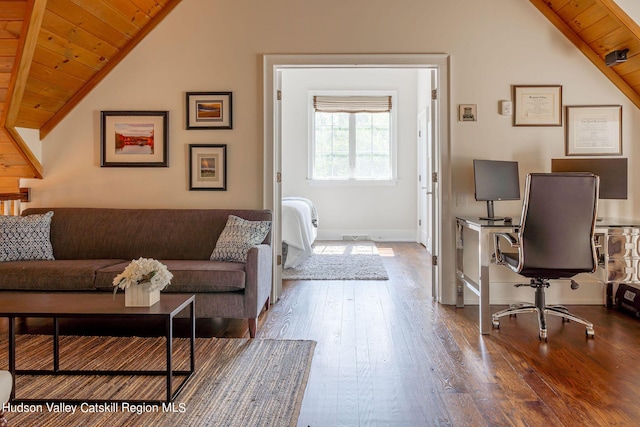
column 32, row 139
column 381, row 212
column 215, row 45
column 631, row 7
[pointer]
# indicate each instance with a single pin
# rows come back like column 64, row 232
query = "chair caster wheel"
column 496, row 324
column 591, row 333
column 542, row 335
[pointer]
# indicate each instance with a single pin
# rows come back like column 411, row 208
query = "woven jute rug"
column 238, row 382
column 340, row 260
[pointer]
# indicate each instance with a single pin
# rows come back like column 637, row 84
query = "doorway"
column 273, row 68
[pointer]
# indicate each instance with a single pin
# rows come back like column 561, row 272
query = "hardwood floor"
column 387, row 355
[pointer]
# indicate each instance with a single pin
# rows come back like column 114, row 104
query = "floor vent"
column 354, row 237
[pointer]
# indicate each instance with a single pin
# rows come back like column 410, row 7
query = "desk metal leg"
column 460, row 265
column 481, row 288
column 485, row 244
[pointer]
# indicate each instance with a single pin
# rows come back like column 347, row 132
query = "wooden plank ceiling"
column 52, row 54
column 598, row 27
column 12, row 162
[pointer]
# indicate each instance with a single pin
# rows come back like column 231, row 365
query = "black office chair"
column 555, row 240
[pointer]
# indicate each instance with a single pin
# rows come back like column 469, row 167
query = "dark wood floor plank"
column 375, row 381
column 411, row 330
column 432, row 361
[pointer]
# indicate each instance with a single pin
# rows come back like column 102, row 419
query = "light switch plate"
column 506, row 108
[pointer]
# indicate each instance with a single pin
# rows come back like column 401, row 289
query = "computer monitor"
column 495, row 180
column 612, row 173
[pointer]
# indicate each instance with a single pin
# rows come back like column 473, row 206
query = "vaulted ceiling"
column 54, row 52
column 598, row 27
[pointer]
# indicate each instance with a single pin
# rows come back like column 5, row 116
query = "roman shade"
column 352, row 104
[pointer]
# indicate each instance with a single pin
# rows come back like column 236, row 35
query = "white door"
column 425, row 202
column 434, row 152
column 276, row 231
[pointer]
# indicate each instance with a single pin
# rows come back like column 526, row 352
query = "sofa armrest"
column 259, row 271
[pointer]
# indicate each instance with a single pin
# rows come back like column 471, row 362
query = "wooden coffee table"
column 65, row 305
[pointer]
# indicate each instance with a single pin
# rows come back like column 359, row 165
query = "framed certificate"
column 537, row 105
column 593, row 130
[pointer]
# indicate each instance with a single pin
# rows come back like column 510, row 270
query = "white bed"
column 299, row 229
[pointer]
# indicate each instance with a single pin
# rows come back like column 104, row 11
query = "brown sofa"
column 92, row 245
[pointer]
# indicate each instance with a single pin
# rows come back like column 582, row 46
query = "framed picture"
column 467, row 113
column 208, row 167
column 537, row 105
column 134, row 139
column 209, row 110
column 593, row 130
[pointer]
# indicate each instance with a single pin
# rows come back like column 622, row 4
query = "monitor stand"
column 490, row 216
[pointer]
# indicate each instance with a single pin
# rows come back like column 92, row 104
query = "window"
column 352, row 139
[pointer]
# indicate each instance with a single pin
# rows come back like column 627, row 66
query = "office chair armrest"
column 512, row 240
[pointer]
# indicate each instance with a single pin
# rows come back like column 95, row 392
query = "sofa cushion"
column 102, row 233
column 64, row 275
column 238, row 236
column 25, row 238
column 188, row 276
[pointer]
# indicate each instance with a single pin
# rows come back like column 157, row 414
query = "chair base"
column 542, row 310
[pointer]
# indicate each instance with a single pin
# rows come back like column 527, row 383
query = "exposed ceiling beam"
column 24, row 58
column 615, row 13
column 18, row 82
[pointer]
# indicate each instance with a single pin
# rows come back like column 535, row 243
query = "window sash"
column 354, row 171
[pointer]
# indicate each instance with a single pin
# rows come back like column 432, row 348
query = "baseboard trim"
column 375, row 235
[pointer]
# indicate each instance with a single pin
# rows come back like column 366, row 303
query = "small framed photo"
column 209, row 110
column 134, row 139
column 593, row 130
column 467, row 113
column 208, row 167
column 537, row 105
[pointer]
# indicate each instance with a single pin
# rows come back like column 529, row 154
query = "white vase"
column 140, row 296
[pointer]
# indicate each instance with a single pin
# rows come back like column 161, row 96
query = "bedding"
column 299, row 229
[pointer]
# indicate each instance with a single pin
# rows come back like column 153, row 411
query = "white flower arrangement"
column 143, row 270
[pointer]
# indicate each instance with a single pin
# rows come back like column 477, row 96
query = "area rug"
column 238, row 382
column 340, row 260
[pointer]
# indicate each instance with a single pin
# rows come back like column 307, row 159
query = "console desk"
column 617, row 242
